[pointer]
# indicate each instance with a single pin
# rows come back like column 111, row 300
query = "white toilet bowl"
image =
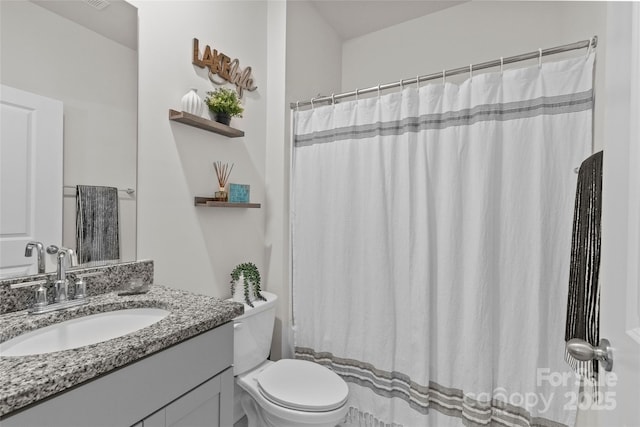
column 286, row 393
column 293, row 393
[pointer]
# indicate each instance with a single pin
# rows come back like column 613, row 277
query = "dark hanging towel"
column 97, row 230
column 583, row 307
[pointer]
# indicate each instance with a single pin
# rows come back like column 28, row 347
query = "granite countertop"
column 28, row 379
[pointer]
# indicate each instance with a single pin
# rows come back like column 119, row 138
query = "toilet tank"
column 252, row 334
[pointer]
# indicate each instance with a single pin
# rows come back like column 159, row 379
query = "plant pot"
column 221, row 196
column 238, row 291
column 223, row 118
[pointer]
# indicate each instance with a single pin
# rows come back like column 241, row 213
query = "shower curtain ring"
column 378, row 91
column 357, row 93
column 333, row 99
column 540, row 58
column 444, row 76
column 297, row 105
column 418, row 82
column 312, row 106
column 501, row 65
column 471, row 71
column 401, row 84
column 589, row 48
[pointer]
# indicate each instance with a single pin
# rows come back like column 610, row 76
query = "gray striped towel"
column 97, row 230
column 583, row 306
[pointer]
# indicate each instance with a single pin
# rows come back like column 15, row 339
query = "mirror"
column 83, row 53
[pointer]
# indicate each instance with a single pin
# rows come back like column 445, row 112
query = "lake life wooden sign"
column 223, row 66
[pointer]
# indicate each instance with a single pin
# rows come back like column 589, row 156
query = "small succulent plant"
column 251, row 275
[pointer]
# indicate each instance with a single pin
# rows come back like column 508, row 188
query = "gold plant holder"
column 221, row 196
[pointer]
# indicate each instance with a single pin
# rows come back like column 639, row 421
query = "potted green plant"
column 245, row 284
column 224, row 104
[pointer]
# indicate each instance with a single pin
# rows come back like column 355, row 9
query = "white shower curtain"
column 431, row 233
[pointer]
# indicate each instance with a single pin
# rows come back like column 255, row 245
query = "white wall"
column 195, row 248
column 314, row 54
column 276, row 167
column 469, row 33
column 96, row 80
column 313, row 65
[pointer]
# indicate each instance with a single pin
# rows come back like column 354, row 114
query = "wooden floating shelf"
column 206, row 124
column 210, row 203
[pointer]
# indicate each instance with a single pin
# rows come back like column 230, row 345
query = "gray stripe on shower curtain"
column 97, row 228
column 561, row 104
column 449, row 401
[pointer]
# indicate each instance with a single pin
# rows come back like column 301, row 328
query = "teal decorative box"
column 239, row 193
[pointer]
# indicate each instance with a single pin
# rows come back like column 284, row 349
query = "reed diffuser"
column 222, row 173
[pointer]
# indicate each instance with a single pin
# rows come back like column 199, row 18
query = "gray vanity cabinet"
column 187, row 384
column 204, row 406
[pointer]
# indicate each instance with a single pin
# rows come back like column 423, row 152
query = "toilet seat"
column 302, row 386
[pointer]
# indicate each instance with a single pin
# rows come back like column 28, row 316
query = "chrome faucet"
column 28, row 251
column 61, row 285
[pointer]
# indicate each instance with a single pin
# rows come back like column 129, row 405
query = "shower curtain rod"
column 591, row 43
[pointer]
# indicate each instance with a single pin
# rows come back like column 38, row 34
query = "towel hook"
column 540, row 58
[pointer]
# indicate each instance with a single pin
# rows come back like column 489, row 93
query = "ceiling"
column 354, row 18
column 349, row 18
column 118, row 20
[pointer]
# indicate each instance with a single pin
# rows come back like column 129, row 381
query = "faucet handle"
column 28, row 283
column 61, row 287
column 81, row 284
column 41, row 297
column 81, row 289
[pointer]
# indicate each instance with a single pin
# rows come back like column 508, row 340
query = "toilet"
column 286, row 393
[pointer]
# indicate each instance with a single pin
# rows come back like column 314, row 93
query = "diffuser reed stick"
column 222, row 173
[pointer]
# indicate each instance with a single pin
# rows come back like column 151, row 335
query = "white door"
column 31, row 129
column 620, row 274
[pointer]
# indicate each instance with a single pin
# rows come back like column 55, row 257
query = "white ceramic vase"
column 192, row 104
column 238, row 291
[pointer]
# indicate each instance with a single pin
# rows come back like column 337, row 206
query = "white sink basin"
column 82, row 331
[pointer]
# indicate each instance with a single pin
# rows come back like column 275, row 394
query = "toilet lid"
column 302, row 385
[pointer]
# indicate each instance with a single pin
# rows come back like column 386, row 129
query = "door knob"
column 582, row 350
